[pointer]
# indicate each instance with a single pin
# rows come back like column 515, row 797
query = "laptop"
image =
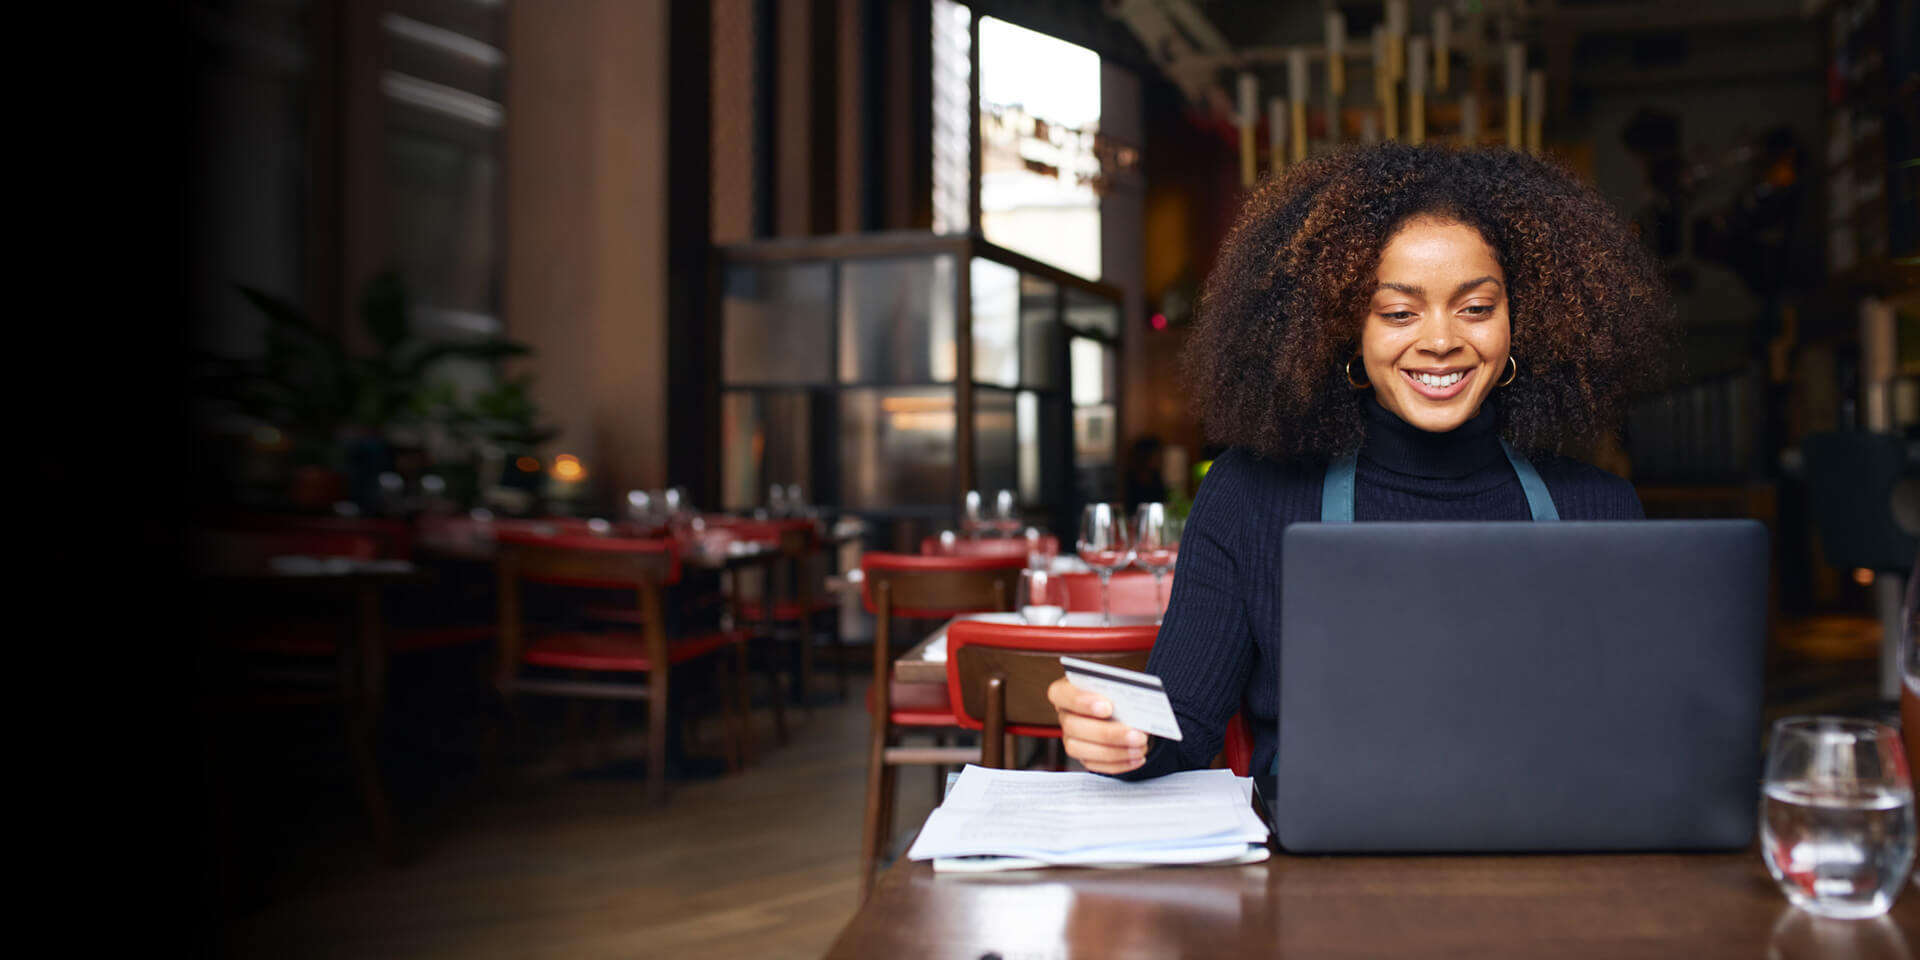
column 1511, row 687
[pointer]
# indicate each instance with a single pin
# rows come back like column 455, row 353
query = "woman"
column 1424, row 327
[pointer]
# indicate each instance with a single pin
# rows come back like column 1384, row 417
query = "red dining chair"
column 987, row 547
column 801, row 608
column 597, row 664
column 792, row 543
column 1133, row 593
column 998, row 674
column 906, row 586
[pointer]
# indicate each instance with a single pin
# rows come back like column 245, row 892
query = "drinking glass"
column 1156, row 544
column 1040, row 550
column 797, row 501
column 1836, row 810
column 972, row 517
column 776, row 501
column 949, row 543
column 1005, row 516
column 679, row 510
column 1041, row 598
column 1103, row 545
column 640, row 507
column 1910, row 678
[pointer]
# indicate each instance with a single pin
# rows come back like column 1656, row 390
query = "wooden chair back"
column 988, row 547
column 643, row 566
column 998, row 673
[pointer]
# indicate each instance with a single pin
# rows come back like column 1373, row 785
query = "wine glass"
column 949, row 543
column 1156, row 544
column 1836, row 809
column 1103, row 545
column 640, row 507
column 1005, row 516
column 776, row 501
column 972, row 518
column 1040, row 549
column 1041, row 598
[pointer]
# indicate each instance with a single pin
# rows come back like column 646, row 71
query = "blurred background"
column 654, row 268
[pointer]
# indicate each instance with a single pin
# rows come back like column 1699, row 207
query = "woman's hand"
column 1104, row 746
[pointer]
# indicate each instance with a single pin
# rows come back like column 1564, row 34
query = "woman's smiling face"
column 1436, row 334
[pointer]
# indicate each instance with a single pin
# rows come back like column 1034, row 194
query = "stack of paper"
column 1010, row 819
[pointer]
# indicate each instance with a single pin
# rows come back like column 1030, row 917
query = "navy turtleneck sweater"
column 1220, row 642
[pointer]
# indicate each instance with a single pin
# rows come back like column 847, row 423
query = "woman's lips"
column 1440, row 393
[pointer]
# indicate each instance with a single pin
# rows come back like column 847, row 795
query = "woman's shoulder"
column 1582, row 491
column 1240, row 471
column 1248, row 488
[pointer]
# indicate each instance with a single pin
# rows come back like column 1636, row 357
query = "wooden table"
column 1597, row 905
column 363, row 661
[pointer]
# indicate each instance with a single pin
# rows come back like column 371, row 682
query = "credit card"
column 1139, row 700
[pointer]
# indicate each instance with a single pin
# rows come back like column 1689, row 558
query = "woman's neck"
column 1404, row 448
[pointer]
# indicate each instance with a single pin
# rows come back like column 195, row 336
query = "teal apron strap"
column 1336, row 491
column 1539, row 502
column 1336, row 499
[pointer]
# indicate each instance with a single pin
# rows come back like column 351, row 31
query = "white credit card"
column 1139, row 700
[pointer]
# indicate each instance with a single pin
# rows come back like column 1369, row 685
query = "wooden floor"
column 758, row 864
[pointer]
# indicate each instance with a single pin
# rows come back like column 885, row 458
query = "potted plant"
column 337, row 406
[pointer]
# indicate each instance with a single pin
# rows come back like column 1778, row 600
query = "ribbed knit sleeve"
column 1205, row 651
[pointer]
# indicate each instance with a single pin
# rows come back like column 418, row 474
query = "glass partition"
column 897, row 321
column 996, row 450
column 843, row 371
column 1039, row 332
column 1089, row 313
column 897, row 447
column 996, row 323
column 776, row 323
column 765, row 439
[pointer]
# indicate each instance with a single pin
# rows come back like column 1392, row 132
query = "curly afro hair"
column 1282, row 311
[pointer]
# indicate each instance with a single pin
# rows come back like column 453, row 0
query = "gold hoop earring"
column 1351, row 382
column 1513, row 370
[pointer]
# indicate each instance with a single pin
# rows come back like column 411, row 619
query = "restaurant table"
column 325, row 580
column 1589, row 905
column 319, row 585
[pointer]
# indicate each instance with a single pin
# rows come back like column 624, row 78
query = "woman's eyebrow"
column 1470, row 284
column 1415, row 290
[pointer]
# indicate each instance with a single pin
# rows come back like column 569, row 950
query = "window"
column 1039, row 117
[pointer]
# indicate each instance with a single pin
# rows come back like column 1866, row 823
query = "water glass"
column 1836, row 815
column 1041, row 598
column 1156, row 544
column 1104, row 546
column 776, row 501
